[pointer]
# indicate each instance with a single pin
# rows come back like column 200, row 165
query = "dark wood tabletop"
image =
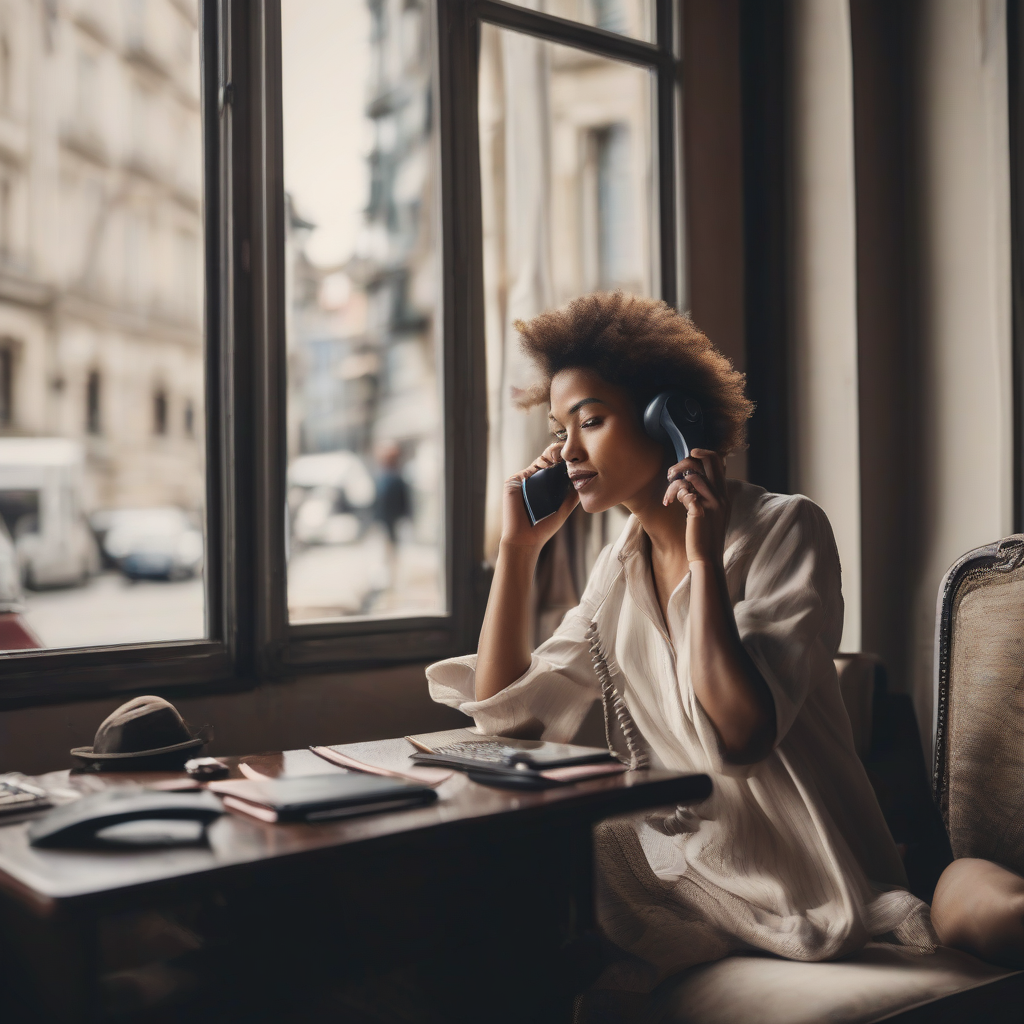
column 47, row 880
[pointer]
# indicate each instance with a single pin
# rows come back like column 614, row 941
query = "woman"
column 716, row 615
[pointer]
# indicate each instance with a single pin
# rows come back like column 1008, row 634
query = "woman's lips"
column 581, row 480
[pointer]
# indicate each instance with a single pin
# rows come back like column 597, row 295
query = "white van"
column 41, row 504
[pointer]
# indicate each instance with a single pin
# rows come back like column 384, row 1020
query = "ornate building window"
column 93, row 406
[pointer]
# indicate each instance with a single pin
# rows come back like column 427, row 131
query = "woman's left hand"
column 699, row 483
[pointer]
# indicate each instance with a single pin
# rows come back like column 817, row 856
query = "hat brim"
column 88, row 754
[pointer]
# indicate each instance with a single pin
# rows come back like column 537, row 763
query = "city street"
column 325, row 582
column 335, row 581
column 111, row 609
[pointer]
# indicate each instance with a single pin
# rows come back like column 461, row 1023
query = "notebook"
column 319, row 797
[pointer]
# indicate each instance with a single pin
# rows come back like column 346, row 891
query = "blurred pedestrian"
column 393, row 501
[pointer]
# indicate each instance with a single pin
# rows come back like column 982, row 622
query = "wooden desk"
column 449, row 902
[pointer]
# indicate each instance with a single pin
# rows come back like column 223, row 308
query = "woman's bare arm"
column 725, row 679
column 728, row 684
column 503, row 653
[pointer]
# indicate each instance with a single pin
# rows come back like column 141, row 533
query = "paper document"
column 383, row 757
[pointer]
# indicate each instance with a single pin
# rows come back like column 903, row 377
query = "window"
column 100, row 515
column 6, row 214
column 291, row 327
column 618, row 265
column 93, row 420
column 365, row 455
column 6, row 385
column 87, row 91
column 160, row 412
column 626, row 17
column 6, row 71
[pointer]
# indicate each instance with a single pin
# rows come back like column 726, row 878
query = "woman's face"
column 611, row 459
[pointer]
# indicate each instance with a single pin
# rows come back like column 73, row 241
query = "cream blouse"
column 790, row 855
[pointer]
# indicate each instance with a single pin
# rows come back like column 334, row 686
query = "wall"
column 891, row 492
column 713, row 157
column 336, row 708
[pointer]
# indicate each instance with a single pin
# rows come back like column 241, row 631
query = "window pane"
column 567, row 159
column 365, row 459
column 102, row 479
column 627, row 17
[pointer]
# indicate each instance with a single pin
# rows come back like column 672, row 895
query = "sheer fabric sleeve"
column 551, row 699
column 790, row 618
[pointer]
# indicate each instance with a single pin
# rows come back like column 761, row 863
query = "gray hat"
column 147, row 732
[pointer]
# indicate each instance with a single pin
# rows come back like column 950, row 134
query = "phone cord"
column 612, row 699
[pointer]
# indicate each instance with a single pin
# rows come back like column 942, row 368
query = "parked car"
column 330, row 497
column 151, row 543
column 15, row 635
column 41, row 506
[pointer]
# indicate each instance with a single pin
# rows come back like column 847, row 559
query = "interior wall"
column 713, row 155
column 964, row 452
column 824, row 423
column 765, row 117
column 889, row 386
column 284, row 715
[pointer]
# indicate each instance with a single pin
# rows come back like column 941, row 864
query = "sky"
column 325, row 55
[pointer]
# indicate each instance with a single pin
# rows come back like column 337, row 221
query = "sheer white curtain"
column 516, row 141
column 515, row 156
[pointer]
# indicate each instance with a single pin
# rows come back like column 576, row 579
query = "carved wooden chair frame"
column 999, row 557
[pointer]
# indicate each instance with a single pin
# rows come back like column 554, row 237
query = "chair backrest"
column 858, row 679
column 978, row 776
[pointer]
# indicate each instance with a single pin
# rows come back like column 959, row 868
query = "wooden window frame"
column 250, row 637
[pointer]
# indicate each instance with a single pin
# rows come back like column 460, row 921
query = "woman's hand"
column 699, row 484
column 516, row 528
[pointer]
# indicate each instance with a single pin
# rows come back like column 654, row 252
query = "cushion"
column 979, row 907
column 875, row 984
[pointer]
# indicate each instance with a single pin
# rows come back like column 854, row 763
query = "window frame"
column 250, row 637
column 367, row 642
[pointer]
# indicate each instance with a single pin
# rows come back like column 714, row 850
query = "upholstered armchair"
column 978, row 777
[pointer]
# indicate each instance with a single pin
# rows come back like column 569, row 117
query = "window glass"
column 627, row 17
column 365, row 461
column 101, row 514
column 567, row 164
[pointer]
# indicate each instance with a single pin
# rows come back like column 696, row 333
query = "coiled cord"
column 611, row 698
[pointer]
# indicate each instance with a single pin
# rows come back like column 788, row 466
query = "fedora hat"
column 145, row 732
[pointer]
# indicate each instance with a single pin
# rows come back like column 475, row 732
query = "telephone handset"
column 105, row 817
column 545, row 490
column 677, row 419
column 671, row 417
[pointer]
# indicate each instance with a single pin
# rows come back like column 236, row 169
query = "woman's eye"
column 594, row 421
column 558, row 435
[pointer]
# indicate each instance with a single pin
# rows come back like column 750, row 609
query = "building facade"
column 101, row 323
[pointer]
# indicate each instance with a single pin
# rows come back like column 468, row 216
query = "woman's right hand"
column 516, row 528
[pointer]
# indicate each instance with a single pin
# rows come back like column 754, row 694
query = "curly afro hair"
column 644, row 346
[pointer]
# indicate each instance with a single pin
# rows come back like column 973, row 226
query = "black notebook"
column 319, row 797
